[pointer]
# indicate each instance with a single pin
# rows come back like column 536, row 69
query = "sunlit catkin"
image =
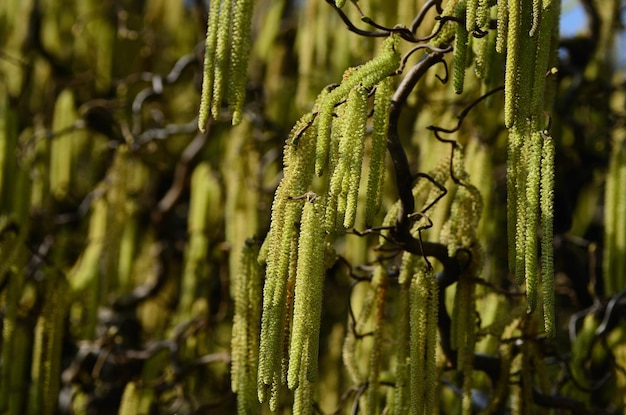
column 403, row 331
column 532, row 219
column 239, row 52
column 286, row 211
column 220, row 66
column 418, row 321
column 245, row 332
column 209, row 65
column 386, row 63
column 471, row 10
column 354, row 136
column 376, row 175
column 432, row 313
column 513, row 50
column 308, row 296
column 502, row 17
column 379, row 285
column 547, row 218
column 460, row 51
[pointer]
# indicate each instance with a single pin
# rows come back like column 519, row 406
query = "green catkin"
column 512, row 163
column 466, row 339
column 502, row 16
column 401, row 389
column 308, row 295
column 303, row 396
column 460, row 51
column 532, row 219
column 418, row 322
column 339, row 169
column 129, row 404
column 379, row 285
column 526, row 64
column 220, row 66
column 239, row 53
column 544, row 45
column 244, row 338
column 376, row 175
column 432, row 314
column 536, row 19
column 285, row 215
column 520, row 215
column 513, row 51
column 471, row 15
column 354, row 136
column 47, row 350
column 340, row 3
column 482, row 14
column 209, row 65
column 481, row 56
column 367, row 75
column 547, row 218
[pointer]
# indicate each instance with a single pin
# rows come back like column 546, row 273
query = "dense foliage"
column 311, row 207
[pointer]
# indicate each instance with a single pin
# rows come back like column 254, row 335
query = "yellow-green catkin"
column 547, row 219
column 385, row 64
column 424, row 303
column 353, row 151
column 209, row 64
column 545, row 13
column 61, row 149
column 129, row 405
column 203, row 184
column 379, row 285
column 245, row 334
column 432, row 314
column 502, row 16
column 307, row 309
column 460, row 51
column 482, row 54
column 220, row 67
column 239, row 53
column 46, row 367
column 471, row 10
column 286, row 211
column 532, row 219
column 401, row 399
column 418, row 322
column 376, row 175
column 482, row 14
column 513, row 50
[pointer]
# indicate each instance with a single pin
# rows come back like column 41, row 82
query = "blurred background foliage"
column 121, row 226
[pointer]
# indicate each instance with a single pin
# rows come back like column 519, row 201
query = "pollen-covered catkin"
column 513, row 49
column 220, row 67
column 308, row 296
column 239, row 53
column 547, row 218
column 209, row 65
column 354, row 136
column 385, row 64
column 532, row 219
column 376, row 175
column 460, row 51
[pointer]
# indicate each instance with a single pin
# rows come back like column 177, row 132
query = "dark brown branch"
column 422, row 13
